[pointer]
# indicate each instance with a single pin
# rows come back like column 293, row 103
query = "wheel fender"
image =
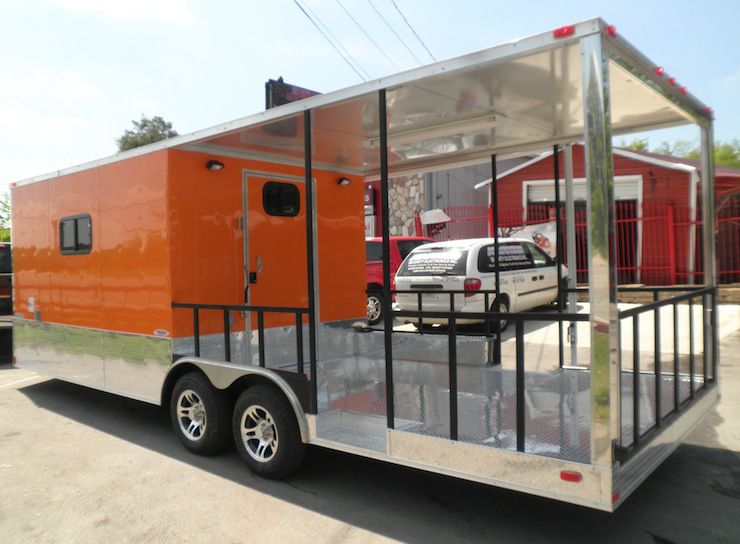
column 222, row 375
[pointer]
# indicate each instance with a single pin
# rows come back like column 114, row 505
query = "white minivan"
column 529, row 277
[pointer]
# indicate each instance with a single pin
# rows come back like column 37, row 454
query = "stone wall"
column 405, row 199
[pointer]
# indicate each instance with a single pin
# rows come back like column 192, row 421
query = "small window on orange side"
column 75, row 235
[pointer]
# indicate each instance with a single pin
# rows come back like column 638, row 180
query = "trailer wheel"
column 266, row 432
column 200, row 414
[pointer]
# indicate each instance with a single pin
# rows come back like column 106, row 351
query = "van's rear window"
column 435, row 262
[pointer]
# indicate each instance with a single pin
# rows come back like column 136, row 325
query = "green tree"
column 145, row 131
column 5, row 217
column 725, row 153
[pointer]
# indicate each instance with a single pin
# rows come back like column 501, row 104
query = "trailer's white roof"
column 519, row 96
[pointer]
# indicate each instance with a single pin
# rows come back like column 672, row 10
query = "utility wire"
column 394, row 31
column 337, row 40
column 412, row 29
column 367, row 35
column 362, row 77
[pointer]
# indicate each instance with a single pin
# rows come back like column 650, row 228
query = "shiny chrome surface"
column 602, row 279
column 126, row 364
column 259, row 433
column 522, row 472
column 191, row 415
column 638, row 468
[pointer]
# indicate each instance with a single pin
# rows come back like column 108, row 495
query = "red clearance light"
column 615, row 497
column 471, row 284
column 708, row 110
column 571, row 476
column 672, row 81
column 684, row 90
column 660, row 71
column 612, row 31
column 564, row 31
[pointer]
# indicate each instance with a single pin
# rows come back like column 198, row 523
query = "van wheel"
column 266, row 432
column 374, row 308
column 200, row 414
column 496, row 324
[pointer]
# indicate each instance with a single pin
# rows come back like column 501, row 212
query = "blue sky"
column 74, row 73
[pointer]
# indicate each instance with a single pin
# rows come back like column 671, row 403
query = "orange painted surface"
column 123, row 283
column 207, row 243
column 166, row 229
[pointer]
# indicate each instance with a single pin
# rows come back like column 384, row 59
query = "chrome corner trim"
column 222, row 375
column 605, row 424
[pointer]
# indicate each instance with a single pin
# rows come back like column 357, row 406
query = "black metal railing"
column 260, row 311
column 688, row 296
column 488, row 317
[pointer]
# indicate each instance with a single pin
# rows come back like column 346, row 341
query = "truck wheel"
column 200, row 414
column 500, row 325
column 266, row 432
column 374, row 308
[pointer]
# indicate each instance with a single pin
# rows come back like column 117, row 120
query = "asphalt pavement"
column 77, row 465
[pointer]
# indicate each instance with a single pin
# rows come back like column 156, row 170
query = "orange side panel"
column 123, row 283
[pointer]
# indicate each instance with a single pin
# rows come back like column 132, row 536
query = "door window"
column 539, row 257
column 281, row 199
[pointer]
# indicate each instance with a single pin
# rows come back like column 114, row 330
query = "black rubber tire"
column 495, row 323
column 289, row 453
column 217, row 414
column 379, row 299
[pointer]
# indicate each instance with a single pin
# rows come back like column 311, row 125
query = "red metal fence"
column 656, row 244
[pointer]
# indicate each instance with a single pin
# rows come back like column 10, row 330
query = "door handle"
column 252, row 277
column 542, row 277
column 534, row 278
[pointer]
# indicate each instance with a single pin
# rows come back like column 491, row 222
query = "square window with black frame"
column 281, row 199
column 75, row 235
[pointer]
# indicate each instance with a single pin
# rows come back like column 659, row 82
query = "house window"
column 75, row 235
column 281, row 199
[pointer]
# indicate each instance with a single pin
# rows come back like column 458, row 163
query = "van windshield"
column 440, row 261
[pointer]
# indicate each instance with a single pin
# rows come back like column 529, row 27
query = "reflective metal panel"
column 602, row 276
column 126, row 364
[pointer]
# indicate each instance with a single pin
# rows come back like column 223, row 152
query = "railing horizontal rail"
column 650, row 306
column 523, row 316
column 240, row 308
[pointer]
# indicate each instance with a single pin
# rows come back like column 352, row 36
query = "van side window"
column 75, row 235
column 539, row 257
column 281, row 199
column 510, row 256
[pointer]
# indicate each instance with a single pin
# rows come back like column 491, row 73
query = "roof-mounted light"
column 611, row 30
column 684, row 90
column 709, row 111
column 659, row 71
column 564, row 31
column 672, row 81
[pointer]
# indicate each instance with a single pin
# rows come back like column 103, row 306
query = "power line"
column 363, row 78
column 367, row 35
column 394, row 31
column 412, row 29
column 337, row 40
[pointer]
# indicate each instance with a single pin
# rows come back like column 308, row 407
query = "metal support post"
column 558, row 250
column 570, row 241
column 497, row 275
column 311, row 280
column 710, row 262
column 385, row 219
column 605, row 413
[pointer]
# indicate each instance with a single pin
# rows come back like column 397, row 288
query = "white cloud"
column 167, row 11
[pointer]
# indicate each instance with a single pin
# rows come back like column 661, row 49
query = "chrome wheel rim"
column 259, row 433
column 373, row 308
column 191, row 415
column 504, row 309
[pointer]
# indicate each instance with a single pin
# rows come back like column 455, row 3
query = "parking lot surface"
column 77, row 465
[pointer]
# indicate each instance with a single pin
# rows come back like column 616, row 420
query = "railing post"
column 310, row 279
column 692, row 369
column 196, row 331
column 452, row 345
column 636, row 379
column 520, row 405
column 227, row 337
column 261, row 337
column 657, row 370
column 676, row 369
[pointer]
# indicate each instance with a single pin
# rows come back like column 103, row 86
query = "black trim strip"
column 537, row 291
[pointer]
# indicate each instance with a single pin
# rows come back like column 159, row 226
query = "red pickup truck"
column 401, row 246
